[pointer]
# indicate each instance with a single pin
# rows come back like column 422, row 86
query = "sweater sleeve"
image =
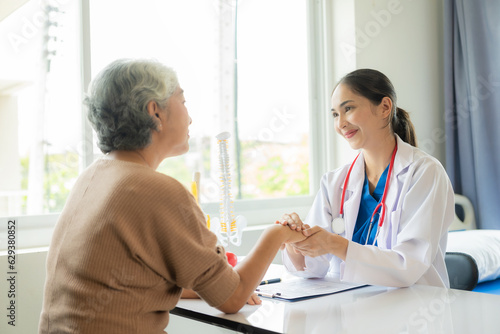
column 175, row 243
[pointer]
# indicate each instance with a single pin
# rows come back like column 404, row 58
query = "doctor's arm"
column 420, row 224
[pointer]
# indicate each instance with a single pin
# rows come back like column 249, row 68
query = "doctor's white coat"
column 412, row 241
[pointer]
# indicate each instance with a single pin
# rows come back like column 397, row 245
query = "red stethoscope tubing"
column 382, row 202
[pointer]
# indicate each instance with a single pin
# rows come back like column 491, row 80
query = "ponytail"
column 403, row 127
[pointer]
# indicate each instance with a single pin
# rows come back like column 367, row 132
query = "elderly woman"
column 130, row 239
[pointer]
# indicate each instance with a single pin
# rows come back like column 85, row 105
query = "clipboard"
column 304, row 288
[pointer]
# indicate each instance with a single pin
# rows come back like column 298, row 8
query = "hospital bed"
column 483, row 246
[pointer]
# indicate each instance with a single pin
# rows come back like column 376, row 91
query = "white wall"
column 403, row 39
column 29, row 282
column 10, row 179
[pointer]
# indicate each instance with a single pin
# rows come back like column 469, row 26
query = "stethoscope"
column 338, row 224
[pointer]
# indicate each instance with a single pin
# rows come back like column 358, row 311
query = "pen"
column 269, row 295
column 264, row 294
column 270, row 281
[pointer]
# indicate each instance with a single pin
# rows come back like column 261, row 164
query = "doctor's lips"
column 350, row 133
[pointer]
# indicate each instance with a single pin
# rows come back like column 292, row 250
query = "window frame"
column 322, row 138
column 319, row 122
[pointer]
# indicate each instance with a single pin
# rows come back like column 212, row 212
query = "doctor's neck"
column 378, row 156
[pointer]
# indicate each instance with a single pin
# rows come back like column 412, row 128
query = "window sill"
column 36, row 231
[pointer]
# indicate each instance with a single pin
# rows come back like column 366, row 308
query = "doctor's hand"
column 293, row 221
column 295, row 235
column 319, row 242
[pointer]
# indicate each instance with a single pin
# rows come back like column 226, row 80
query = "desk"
column 371, row 309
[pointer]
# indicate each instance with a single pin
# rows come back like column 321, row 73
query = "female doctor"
column 383, row 219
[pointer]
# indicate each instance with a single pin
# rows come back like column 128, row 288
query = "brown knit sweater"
column 127, row 242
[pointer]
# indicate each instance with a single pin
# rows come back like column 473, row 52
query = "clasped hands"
column 316, row 242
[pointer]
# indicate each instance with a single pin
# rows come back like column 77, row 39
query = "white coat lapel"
column 353, row 196
column 404, row 157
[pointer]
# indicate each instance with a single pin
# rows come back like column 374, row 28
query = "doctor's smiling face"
column 357, row 119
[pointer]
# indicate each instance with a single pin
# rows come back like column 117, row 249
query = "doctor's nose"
column 342, row 121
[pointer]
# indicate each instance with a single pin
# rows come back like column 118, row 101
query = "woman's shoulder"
column 423, row 166
column 162, row 182
column 414, row 158
column 422, row 159
column 139, row 177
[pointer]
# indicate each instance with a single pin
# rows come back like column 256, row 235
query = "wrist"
column 338, row 246
column 278, row 232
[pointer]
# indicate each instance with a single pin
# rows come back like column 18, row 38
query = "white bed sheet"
column 483, row 246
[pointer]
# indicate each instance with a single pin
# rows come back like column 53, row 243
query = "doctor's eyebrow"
column 343, row 104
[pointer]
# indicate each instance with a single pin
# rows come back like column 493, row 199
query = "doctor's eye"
column 335, row 114
column 348, row 108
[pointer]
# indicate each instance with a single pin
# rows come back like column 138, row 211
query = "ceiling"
column 9, row 6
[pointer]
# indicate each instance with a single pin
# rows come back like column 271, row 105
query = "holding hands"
column 293, row 221
column 318, row 240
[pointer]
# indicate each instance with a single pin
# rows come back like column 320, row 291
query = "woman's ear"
column 386, row 107
column 152, row 107
column 155, row 112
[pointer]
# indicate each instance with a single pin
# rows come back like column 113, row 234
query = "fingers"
column 311, row 230
column 293, row 221
column 254, row 300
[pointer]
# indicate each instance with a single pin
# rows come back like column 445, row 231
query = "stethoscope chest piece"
column 338, row 225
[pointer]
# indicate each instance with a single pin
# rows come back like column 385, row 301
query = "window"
column 40, row 107
column 244, row 66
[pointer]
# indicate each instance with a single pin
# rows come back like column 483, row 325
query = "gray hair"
column 118, row 98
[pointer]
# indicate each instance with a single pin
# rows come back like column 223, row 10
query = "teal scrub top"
column 367, row 205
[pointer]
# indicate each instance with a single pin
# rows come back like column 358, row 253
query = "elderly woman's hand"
column 254, row 300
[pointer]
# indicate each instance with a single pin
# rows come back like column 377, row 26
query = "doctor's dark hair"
column 374, row 86
column 117, row 102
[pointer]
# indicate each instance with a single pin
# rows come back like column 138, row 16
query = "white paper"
column 301, row 288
